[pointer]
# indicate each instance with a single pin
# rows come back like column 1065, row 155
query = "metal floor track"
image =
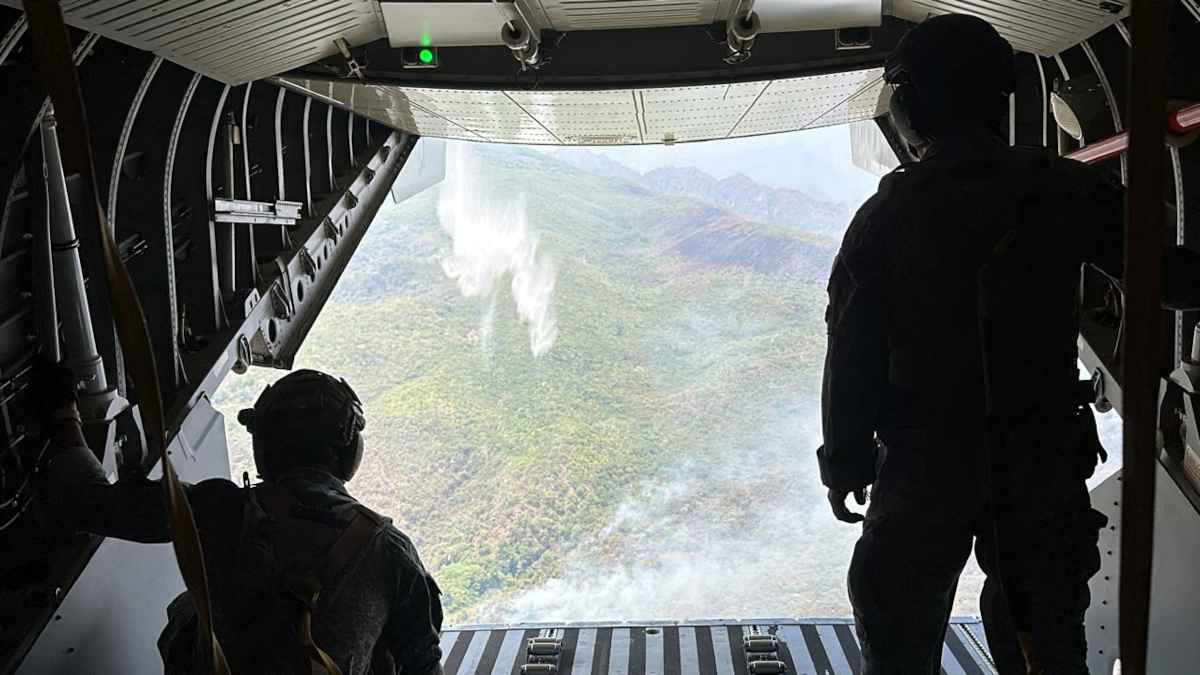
column 757, row 647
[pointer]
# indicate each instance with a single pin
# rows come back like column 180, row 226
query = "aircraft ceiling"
column 1042, row 27
column 616, row 116
column 783, row 88
column 233, row 41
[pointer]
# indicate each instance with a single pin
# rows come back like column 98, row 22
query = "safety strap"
column 1016, row 605
column 56, row 68
column 319, row 657
column 351, row 546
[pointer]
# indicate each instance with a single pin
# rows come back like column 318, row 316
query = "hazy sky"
column 816, row 161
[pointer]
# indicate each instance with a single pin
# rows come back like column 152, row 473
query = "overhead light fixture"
column 1080, row 107
column 419, row 57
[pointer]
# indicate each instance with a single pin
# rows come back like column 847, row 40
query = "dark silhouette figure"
column 951, row 380
column 292, row 555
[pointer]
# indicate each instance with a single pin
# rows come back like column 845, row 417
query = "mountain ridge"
column 737, row 193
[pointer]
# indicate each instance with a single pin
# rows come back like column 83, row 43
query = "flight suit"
column 386, row 615
column 976, row 250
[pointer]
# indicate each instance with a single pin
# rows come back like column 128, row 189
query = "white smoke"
column 729, row 533
column 733, row 532
column 666, row 569
column 494, row 243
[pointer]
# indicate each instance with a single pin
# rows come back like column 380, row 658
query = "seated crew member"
column 270, row 548
column 955, row 293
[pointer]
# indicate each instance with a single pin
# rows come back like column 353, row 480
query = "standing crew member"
column 292, row 551
column 955, row 294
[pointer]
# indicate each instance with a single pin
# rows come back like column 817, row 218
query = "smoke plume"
column 731, row 532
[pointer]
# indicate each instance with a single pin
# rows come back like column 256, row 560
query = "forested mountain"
column 586, row 398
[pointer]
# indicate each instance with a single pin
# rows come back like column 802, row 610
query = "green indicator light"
column 425, row 55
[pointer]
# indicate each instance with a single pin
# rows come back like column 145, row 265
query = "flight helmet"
column 949, row 68
column 306, row 419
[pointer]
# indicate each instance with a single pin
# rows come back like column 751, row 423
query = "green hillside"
column 675, row 412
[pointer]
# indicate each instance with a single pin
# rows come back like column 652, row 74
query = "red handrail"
column 1184, row 120
column 1181, row 122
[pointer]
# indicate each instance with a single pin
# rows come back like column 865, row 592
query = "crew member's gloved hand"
column 52, row 386
column 53, row 395
column 837, row 500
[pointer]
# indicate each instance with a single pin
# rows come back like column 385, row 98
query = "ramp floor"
column 805, row 647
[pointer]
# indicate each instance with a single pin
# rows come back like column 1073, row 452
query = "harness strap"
column 349, row 548
column 1008, row 586
column 56, row 68
column 324, row 582
column 319, row 657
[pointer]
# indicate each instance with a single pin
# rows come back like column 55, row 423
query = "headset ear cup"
column 262, row 459
column 916, row 110
column 908, row 115
column 352, row 459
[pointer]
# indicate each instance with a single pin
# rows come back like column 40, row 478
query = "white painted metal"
column 578, row 117
column 568, row 15
column 12, row 38
column 816, row 101
column 698, row 113
column 446, row 24
column 479, row 640
column 833, row 649
column 1173, row 595
column 237, row 41
column 779, row 16
column 426, row 167
column 1043, row 27
column 111, row 617
column 233, row 41
column 613, row 117
column 869, row 149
